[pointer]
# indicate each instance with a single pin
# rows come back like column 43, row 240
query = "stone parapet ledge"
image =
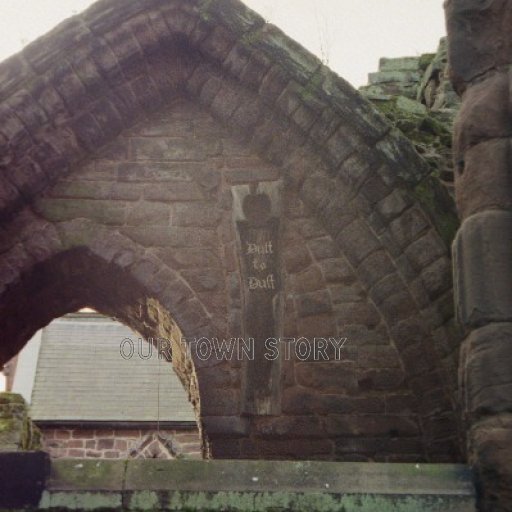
column 256, row 485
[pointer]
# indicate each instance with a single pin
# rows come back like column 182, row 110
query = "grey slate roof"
column 81, row 376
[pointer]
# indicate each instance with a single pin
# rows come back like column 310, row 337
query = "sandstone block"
column 27, row 110
column 13, row 69
column 69, row 86
column 149, row 213
column 225, row 448
column 290, row 427
column 177, row 191
column 256, row 70
column 296, row 258
column 322, row 325
column 225, row 426
column 486, row 371
column 333, row 377
column 274, row 83
column 399, row 64
column 314, row 303
column 357, row 168
column 363, row 313
column 484, row 113
column 87, row 132
column 416, row 359
column 408, row 227
column 163, row 149
column 401, row 158
column 286, row 449
column 309, row 280
column 107, row 212
column 237, row 59
column 375, row 267
column 218, row 43
column 437, row 277
column 357, row 241
column 477, row 41
column 337, row 270
column 226, row 100
column 205, row 280
column 485, row 182
column 490, row 452
column 378, row 356
column 236, row 176
column 375, row 189
column 482, row 253
column 107, row 117
column 387, row 76
column 343, row 293
column 425, row 250
column 372, row 425
column 380, row 380
column 202, row 216
column 159, row 236
column 340, row 146
column 298, row 400
column 393, row 205
column 28, row 178
column 401, row 404
column 324, row 126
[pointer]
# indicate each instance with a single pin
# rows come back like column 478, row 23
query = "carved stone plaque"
column 257, row 220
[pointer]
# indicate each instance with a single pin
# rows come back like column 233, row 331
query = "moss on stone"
column 440, row 206
column 250, row 38
column 425, row 60
column 432, row 139
column 89, row 473
column 11, row 398
column 7, row 425
column 81, row 501
column 205, row 7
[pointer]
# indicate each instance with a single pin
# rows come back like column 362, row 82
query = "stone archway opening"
column 75, row 279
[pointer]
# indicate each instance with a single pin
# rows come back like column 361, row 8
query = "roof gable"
column 82, row 376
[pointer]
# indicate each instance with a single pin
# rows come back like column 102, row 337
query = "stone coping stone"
column 244, row 475
column 238, row 485
column 399, row 64
column 180, row 501
column 402, row 77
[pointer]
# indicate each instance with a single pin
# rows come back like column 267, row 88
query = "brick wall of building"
column 120, row 443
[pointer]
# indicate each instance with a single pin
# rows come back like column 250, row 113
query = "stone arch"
column 363, row 183
column 89, row 266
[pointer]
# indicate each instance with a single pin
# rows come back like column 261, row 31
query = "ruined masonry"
column 146, row 146
column 481, row 53
column 185, row 167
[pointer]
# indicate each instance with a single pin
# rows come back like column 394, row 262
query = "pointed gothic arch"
column 344, row 170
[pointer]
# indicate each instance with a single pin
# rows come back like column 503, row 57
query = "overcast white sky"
column 351, row 35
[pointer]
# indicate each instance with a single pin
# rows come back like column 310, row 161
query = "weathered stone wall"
column 156, row 186
column 203, row 103
column 416, row 95
column 64, row 443
column 238, row 486
column 480, row 46
column 17, row 432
